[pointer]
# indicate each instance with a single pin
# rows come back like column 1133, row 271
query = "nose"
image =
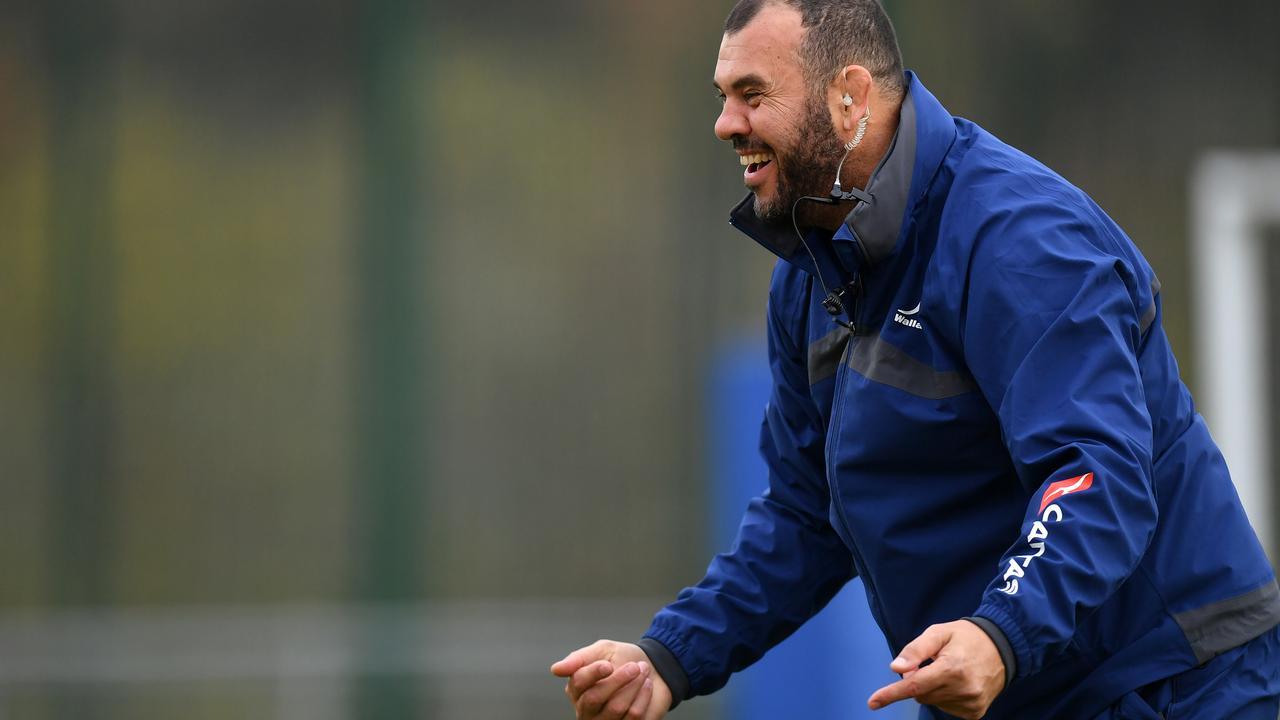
column 732, row 122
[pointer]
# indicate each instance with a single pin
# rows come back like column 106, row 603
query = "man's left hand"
column 964, row 678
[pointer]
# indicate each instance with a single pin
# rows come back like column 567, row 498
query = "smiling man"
column 975, row 409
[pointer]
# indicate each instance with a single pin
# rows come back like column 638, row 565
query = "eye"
column 720, row 97
column 752, row 97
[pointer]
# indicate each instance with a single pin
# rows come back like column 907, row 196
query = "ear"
column 856, row 82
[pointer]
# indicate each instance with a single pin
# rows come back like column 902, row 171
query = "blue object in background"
column 832, row 664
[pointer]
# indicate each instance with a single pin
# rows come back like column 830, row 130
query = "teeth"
column 756, row 158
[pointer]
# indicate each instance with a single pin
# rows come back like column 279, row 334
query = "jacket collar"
column 925, row 134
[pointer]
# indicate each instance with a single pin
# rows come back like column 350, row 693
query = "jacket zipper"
column 837, row 417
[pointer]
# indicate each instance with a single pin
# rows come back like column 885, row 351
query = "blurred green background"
column 354, row 352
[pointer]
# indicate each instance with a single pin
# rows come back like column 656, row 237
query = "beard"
column 808, row 168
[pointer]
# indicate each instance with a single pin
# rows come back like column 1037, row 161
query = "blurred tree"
column 78, row 42
column 391, row 407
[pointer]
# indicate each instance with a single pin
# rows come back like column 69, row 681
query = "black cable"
column 796, row 224
column 832, row 303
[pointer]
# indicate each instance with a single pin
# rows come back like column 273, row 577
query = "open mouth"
column 755, row 164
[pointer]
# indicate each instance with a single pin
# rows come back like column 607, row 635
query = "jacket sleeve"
column 787, row 561
column 1052, row 330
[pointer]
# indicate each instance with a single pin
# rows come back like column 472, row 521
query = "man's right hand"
column 611, row 681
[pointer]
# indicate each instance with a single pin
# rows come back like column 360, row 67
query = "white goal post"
column 1235, row 196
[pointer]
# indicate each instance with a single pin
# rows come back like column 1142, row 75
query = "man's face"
column 782, row 133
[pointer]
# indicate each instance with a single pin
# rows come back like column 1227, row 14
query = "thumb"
column 927, row 646
column 575, row 661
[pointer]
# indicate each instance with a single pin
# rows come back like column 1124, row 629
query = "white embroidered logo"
column 905, row 317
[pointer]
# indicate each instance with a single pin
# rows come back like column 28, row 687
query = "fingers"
column 619, row 705
column 916, row 682
column 592, row 702
column 576, row 660
column 587, row 677
column 925, row 647
column 642, row 702
column 953, row 666
column 919, row 685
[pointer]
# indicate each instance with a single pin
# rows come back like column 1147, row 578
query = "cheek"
column 770, row 128
column 785, row 135
column 776, row 139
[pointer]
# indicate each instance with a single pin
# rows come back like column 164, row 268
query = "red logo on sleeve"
column 1065, row 487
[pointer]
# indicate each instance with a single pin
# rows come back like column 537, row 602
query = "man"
column 975, row 409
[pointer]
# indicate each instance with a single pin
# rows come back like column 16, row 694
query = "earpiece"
column 846, row 100
column 838, row 193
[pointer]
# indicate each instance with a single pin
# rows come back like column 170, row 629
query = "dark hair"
column 837, row 33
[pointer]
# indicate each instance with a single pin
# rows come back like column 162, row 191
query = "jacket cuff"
column 1002, row 646
column 668, row 667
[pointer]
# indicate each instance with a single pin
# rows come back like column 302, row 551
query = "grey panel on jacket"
column 878, row 360
column 1218, row 627
column 825, row 354
column 1149, row 315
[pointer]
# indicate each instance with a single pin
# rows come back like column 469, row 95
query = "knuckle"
column 591, row 702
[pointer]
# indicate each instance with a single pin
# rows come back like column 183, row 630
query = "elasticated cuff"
column 1026, row 662
column 1002, row 646
column 668, row 667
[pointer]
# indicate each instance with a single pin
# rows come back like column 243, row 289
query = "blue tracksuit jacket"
column 1002, row 434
